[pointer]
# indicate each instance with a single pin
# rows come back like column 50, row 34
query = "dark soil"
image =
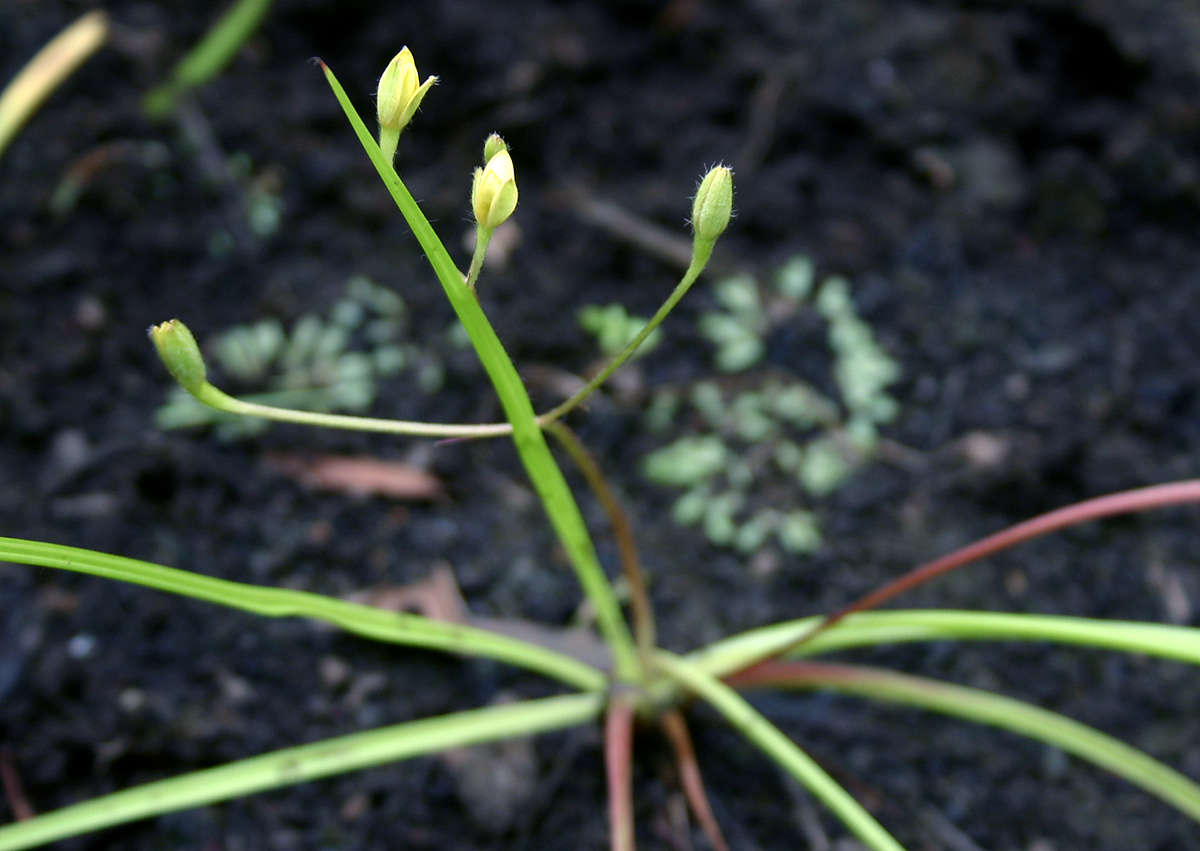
column 1014, row 190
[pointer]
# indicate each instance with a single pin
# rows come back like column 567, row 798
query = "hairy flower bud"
column 399, row 92
column 179, row 352
column 714, row 204
column 494, row 191
column 493, row 146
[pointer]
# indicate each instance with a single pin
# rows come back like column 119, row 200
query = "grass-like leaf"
column 1166, row 641
column 46, row 71
column 306, row 762
column 206, row 59
column 377, row 624
column 994, row 710
column 544, row 472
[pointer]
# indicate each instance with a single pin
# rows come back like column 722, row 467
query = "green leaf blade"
column 367, row 621
column 1017, row 716
column 865, row 629
column 306, row 762
column 530, row 442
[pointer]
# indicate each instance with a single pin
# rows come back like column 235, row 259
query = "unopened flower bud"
column 494, row 191
column 493, row 146
column 714, row 204
column 400, row 93
column 179, row 352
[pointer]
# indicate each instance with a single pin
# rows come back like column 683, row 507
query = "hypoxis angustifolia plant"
column 639, row 680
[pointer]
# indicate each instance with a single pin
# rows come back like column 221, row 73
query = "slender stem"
column 219, row 400
column 758, row 730
column 306, row 762
column 556, row 497
column 222, row 401
column 368, row 621
column 389, row 140
column 676, row 728
column 986, row 708
column 618, row 763
column 483, row 236
column 701, row 251
column 13, row 790
column 631, row 566
column 1123, row 502
column 216, row 399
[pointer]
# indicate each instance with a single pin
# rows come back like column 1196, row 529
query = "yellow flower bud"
column 714, row 204
column 179, row 352
column 494, row 191
column 399, row 92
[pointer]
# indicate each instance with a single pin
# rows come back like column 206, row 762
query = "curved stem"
column 1122, row 502
column 214, row 397
column 218, row 399
column 631, row 566
column 676, row 729
column 701, row 251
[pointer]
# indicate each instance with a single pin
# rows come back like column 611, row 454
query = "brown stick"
column 675, row 727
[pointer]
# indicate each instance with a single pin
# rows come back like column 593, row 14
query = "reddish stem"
column 795, row 672
column 618, row 762
column 622, row 529
column 676, row 729
column 12, row 786
column 1123, row 502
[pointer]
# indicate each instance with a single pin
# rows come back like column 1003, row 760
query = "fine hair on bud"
column 713, row 205
column 493, row 146
column 494, row 190
column 400, row 92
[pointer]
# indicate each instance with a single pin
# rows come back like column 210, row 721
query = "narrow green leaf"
column 206, row 59
column 306, row 762
column 380, row 625
column 1165, row 641
column 547, row 478
column 757, row 729
column 1017, row 716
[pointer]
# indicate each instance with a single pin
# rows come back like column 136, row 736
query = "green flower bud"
column 714, row 204
column 179, row 352
column 399, row 93
column 493, row 146
column 494, row 190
